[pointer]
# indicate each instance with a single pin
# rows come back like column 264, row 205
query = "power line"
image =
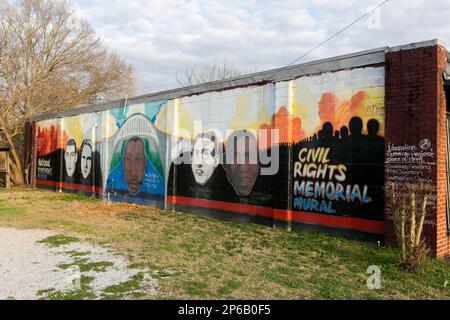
column 328, row 39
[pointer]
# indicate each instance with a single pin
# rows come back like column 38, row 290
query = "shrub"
column 407, row 204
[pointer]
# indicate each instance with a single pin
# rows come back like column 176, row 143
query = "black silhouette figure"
column 356, row 126
column 327, row 132
column 336, row 135
column 344, row 133
column 376, row 143
column 363, row 156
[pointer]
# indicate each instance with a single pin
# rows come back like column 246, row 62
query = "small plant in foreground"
column 407, row 204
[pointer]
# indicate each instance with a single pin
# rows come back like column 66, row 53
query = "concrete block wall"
column 401, row 89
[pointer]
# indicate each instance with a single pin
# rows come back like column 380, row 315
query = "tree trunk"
column 412, row 220
column 17, row 172
column 402, row 239
column 15, row 176
column 423, row 213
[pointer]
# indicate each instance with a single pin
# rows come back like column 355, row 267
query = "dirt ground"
column 39, row 264
column 192, row 257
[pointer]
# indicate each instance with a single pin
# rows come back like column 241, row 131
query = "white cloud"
column 162, row 38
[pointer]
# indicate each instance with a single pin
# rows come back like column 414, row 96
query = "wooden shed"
column 4, row 163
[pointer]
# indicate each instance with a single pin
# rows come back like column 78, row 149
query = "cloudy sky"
column 161, row 38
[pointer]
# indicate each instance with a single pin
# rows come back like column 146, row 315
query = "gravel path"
column 32, row 270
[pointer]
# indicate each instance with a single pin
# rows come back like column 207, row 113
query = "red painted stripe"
column 48, row 183
column 65, row 185
column 224, row 206
column 370, row 226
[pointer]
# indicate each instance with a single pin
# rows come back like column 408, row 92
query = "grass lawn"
column 202, row 258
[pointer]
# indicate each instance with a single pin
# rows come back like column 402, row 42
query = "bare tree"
column 51, row 61
column 220, row 69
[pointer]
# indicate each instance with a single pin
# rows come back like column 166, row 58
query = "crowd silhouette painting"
column 363, row 157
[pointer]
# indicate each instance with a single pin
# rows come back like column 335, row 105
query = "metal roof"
column 348, row 61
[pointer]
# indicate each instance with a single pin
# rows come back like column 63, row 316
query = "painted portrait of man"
column 86, row 159
column 70, row 159
column 205, row 157
column 134, row 164
column 242, row 167
column 136, row 172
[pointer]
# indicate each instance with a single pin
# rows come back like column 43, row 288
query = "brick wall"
column 416, row 120
column 443, row 240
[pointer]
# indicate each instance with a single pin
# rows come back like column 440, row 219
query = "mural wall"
column 311, row 145
column 67, row 153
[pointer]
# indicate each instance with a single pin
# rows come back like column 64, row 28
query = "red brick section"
column 415, row 109
column 443, row 239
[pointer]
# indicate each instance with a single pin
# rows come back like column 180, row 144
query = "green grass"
column 71, row 197
column 127, row 289
column 58, row 240
column 72, row 226
column 130, row 287
column 85, row 265
column 77, row 254
column 195, row 257
column 10, row 212
column 83, row 293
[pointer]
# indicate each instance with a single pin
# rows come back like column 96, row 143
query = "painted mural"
column 136, row 166
column 67, row 154
column 48, row 158
column 338, row 171
column 313, row 145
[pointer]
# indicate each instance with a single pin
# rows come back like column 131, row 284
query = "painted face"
column 203, row 161
column 70, row 157
column 241, row 173
column 134, row 163
column 86, row 160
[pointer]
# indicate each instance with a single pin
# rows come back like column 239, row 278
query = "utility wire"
column 328, row 39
